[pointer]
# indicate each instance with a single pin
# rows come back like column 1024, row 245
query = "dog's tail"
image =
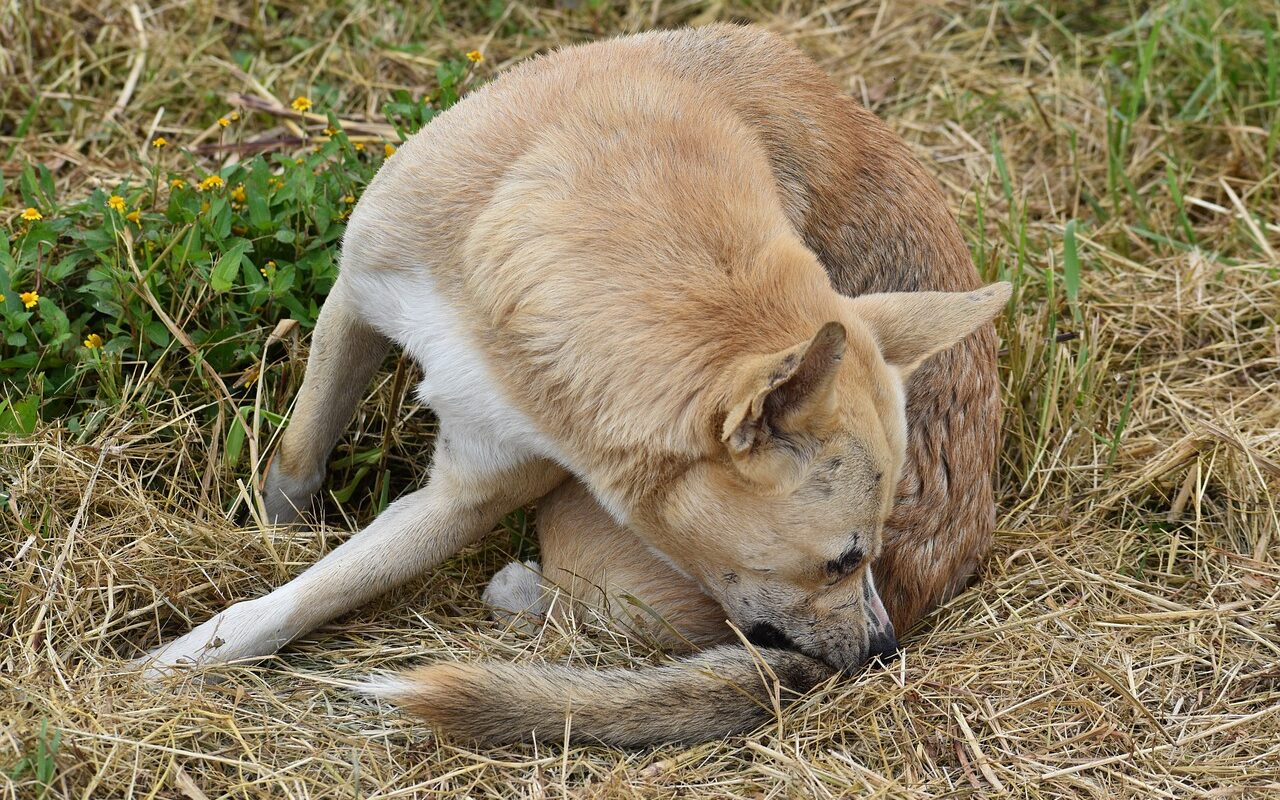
column 709, row 695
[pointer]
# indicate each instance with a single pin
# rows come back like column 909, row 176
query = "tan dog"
column 610, row 265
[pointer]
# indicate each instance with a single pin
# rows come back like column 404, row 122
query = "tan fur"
column 605, row 705
column 878, row 223
column 602, row 567
column 635, row 252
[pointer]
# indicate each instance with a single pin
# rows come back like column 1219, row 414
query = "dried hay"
column 1123, row 640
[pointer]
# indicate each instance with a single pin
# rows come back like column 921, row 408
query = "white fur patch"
column 385, row 686
column 516, row 597
column 484, row 429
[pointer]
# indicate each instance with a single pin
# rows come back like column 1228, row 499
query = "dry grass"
column 1123, row 639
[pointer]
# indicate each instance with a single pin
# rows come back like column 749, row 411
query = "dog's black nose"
column 884, row 646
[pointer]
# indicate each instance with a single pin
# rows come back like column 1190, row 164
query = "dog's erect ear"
column 911, row 326
column 775, row 390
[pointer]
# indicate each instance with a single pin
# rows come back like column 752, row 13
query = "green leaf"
column 157, row 333
column 221, row 212
column 23, row 361
column 235, row 437
column 20, row 417
column 30, row 188
column 225, row 271
column 259, row 210
column 322, row 217
column 343, row 495
column 283, row 281
column 64, row 268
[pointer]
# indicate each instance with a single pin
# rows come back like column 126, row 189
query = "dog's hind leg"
column 461, row 502
column 603, row 569
column 345, row 352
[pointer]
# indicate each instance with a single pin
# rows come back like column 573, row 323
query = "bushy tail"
column 709, row 695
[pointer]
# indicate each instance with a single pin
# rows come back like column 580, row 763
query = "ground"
column 1116, row 161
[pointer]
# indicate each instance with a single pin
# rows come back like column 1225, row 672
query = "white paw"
column 516, row 597
column 285, row 498
column 244, row 631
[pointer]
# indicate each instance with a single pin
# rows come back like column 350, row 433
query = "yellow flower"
column 32, row 214
column 475, row 56
column 177, row 183
column 93, row 341
column 389, row 149
column 235, row 115
column 351, row 198
column 330, row 131
column 301, row 104
column 116, row 202
column 263, row 270
column 134, row 216
column 211, row 182
column 223, row 122
column 359, row 147
column 159, row 142
column 271, row 265
column 237, row 194
column 29, row 299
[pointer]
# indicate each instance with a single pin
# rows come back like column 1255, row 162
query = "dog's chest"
column 479, row 422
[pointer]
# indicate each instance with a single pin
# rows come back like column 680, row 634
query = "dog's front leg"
column 459, row 504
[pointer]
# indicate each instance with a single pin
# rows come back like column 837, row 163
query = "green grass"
column 39, row 766
column 93, row 285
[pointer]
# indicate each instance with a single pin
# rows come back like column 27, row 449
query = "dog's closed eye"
column 845, row 563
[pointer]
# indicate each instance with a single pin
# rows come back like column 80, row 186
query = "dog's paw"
column 244, row 631
column 285, row 497
column 516, row 597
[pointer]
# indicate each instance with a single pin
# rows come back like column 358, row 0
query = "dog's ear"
column 776, row 391
column 911, row 326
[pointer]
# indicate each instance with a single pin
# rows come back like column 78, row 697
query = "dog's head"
column 781, row 523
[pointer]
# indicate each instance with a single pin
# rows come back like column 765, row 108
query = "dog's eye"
column 845, row 563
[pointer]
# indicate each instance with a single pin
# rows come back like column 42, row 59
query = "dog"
column 716, row 314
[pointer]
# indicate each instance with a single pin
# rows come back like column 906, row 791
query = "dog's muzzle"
column 881, row 641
